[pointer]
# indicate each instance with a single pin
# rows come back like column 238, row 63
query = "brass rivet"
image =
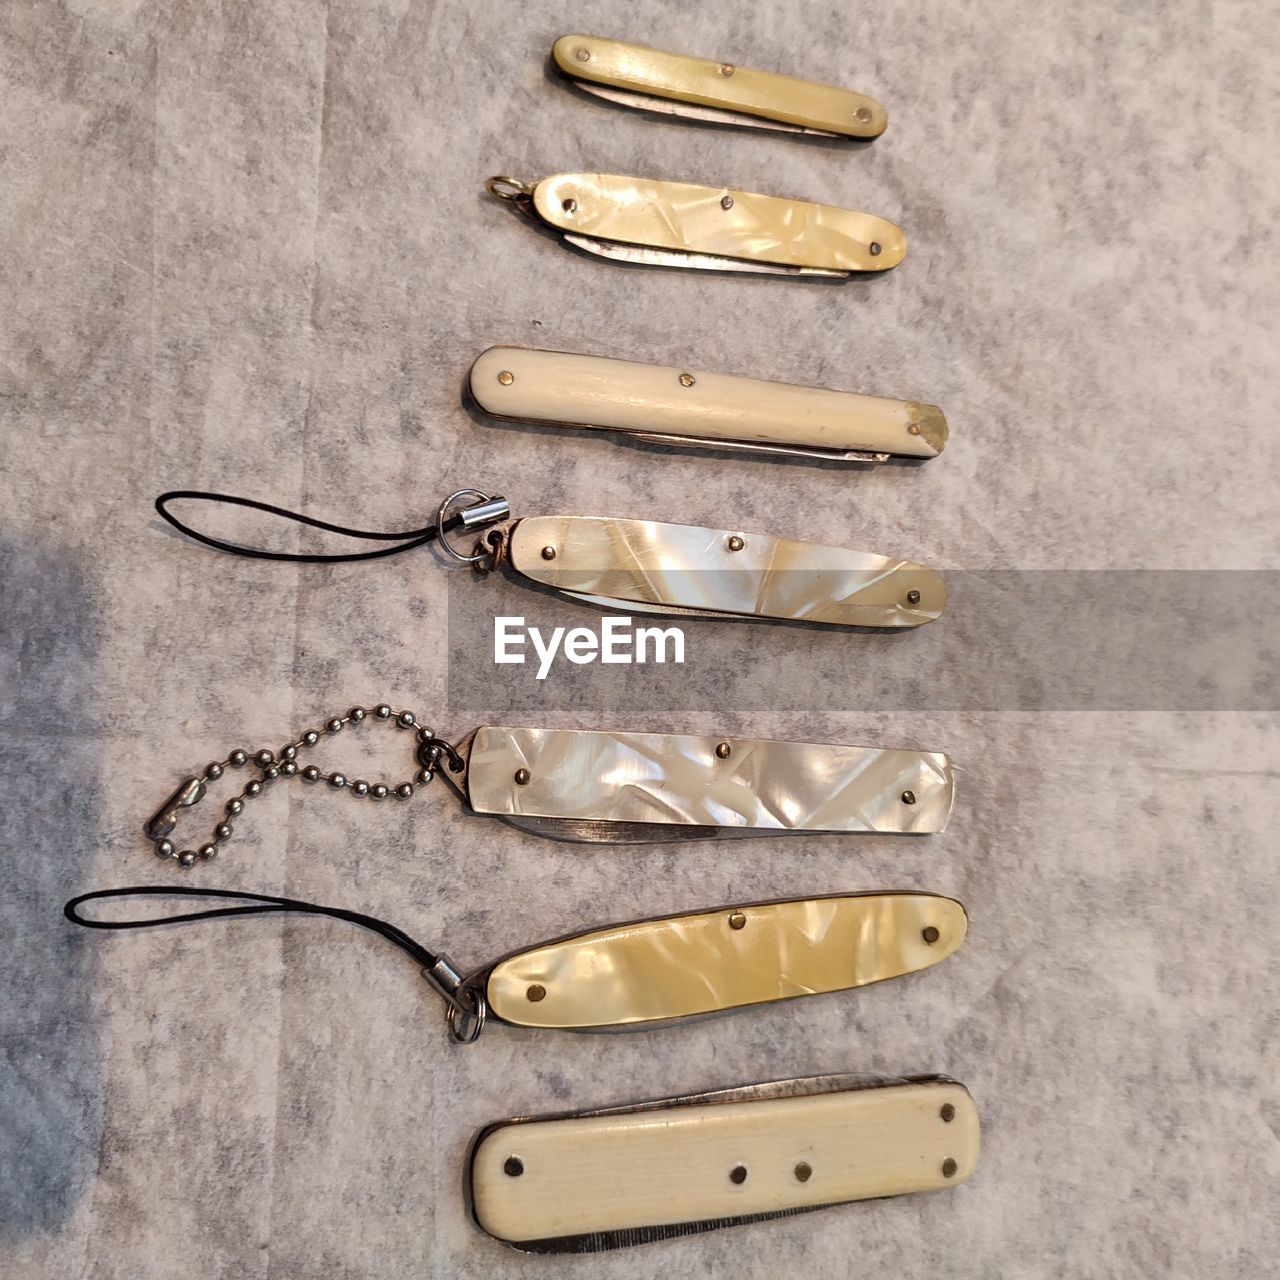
column 726, row 202
column 569, row 204
column 582, row 55
column 513, row 1166
column 723, row 750
column 948, row 1113
column 738, row 1174
column 506, row 377
column 727, row 68
column 548, row 553
column 687, row 379
column 914, row 429
column 803, row 1172
column 908, row 797
column 913, row 597
column 930, row 934
column 949, row 1167
column 875, row 248
column 737, row 920
column 522, row 777
column 863, row 115
column 735, row 542
column 535, row 993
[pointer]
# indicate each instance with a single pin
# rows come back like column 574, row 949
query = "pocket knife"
column 644, row 973
column 643, row 566
column 599, row 787
column 664, row 405
column 679, row 224
column 584, row 1181
column 713, row 91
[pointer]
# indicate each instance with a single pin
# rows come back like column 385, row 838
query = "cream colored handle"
column 719, row 221
column 706, row 962
column 719, row 84
column 561, row 388
column 649, row 566
column 545, row 1180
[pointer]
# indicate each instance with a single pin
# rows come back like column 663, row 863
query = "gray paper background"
column 246, row 246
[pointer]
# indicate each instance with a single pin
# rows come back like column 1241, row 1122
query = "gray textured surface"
column 246, row 246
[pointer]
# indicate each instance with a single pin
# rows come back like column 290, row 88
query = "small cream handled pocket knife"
column 643, row 973
column 665, row 405
column 680, row 224
column 644, row 566
column 579, row 1182
column 714, row 92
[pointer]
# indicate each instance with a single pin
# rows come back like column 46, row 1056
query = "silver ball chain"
column 273, row 765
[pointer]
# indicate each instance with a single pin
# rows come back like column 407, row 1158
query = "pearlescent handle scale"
column 656, row 81
column 668, row 779
column 687, row 966
column 601, row 1180
column 678, row 406
column 647, row 566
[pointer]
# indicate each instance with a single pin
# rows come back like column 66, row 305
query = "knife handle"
column 657, row 1168
column 712, row 83
column 560, row 388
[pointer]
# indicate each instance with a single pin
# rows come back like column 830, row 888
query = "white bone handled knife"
column 680, row 224
column 610, row 787
column 714, row 91
column 593, row 1180
column 667, row 405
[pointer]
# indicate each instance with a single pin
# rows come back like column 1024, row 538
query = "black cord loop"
column 264, row 905
column 405, row 541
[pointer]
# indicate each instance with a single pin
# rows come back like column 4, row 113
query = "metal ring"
column 443, row 539
column 465, row 1026
column 506, row 188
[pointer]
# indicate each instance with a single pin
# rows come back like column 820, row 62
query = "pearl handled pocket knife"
column 600, row 787
column 680, row 224
column 581, row 1182
column 702, row 410
column 642, row 973
column 714, row 92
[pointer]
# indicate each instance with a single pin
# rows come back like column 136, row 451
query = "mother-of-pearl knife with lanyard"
column 711, row 91
column 665, row 405
column 641, row 973
column 584, row 1181
column 641, row 566
column 616, row 788
column 679, row 224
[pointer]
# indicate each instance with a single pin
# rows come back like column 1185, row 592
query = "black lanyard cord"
column 263, row 904
column 405, row 541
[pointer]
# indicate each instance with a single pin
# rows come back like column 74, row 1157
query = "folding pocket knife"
column 679, row 224
column 644, row 566
column 642, row 973
column 666, row 405
column 598, row 787
column 713, row 91
column 584, row 1181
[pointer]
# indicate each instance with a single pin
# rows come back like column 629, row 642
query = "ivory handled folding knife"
column 714, row 91
column 600, row 787
column 680, row 224
column 584, row 1181
column 655, row 971
column 665, row 405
